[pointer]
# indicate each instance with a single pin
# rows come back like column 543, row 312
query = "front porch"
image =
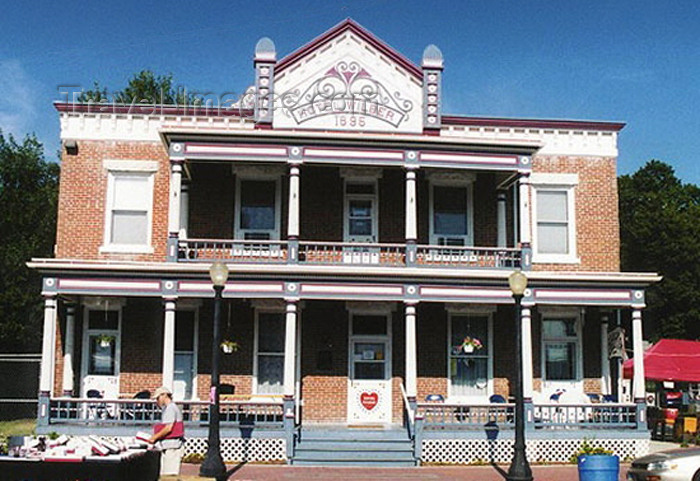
column 355, row 363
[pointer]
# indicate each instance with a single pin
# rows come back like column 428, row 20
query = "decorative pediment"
column 347, row 79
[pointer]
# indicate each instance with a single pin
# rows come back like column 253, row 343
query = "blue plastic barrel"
column 598, row 467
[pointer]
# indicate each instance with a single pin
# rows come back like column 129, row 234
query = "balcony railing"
column 129, row 412
column 347, row 253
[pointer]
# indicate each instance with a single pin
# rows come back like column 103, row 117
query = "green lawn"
column 20, row 427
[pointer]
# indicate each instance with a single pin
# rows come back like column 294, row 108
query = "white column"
column 526, row 325
column 604, row 356
column 411, row 359
column 184, row 209
column 638, row 355
column 525, row 228
column 293, row 220
column 169, row 344
column 290, row 345
column 501, row 219
column 68, row 348
column 411, row 207
column 48, row 347
column 174, row 201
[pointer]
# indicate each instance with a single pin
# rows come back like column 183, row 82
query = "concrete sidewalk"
column 247, row 472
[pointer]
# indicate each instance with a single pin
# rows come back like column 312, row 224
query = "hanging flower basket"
column 229, row 347
column 105, row 340
column 470, row 344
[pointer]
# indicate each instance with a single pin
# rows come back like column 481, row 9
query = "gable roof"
column 350, row 25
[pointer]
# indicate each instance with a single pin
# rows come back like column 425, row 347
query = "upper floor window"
column 129, row 212
column 451, row 209
column 258, row 209
column 554, row 235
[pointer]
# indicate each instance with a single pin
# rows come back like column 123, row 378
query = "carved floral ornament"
column 346, row 88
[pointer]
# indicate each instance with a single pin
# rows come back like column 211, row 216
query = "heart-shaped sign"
column 369, row 400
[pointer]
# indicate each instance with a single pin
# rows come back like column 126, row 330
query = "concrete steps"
column 354, row 447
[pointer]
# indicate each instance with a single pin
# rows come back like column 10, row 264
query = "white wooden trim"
column 411, row 357
column 290, row 342
column 69, row 351
column 168, row 373
column 48, row 345
column 638, row 390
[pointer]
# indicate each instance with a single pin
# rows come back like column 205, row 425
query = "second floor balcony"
column 347, row 215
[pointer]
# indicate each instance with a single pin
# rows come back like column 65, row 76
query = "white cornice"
column 487, row 275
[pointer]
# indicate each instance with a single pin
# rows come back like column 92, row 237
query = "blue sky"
column 624, row 60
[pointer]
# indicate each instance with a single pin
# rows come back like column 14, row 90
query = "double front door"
column 369, row 380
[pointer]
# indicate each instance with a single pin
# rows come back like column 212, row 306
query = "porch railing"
column 243, row 251
column 343, row 253
column 81, row 411
column 585, row 416
column 444, row 416
column 468, row 257
column 348, row 253
column 439, row 415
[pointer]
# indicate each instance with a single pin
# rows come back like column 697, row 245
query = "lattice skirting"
column 242, row 449
column 479, row 451
column 235, row 449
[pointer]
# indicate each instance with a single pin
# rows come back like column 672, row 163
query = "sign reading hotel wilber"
column 349, row 96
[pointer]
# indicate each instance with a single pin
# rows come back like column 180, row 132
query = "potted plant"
column 596, row 463
column 470, row 344
column 105, row 340
column 229, row 347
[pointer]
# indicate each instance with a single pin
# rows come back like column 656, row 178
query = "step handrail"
column 409, row 411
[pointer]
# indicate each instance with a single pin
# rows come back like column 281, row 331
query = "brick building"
column 368, row 237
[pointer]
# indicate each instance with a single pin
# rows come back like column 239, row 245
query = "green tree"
column 144, row 87
column 28, row 196
column 660, row 232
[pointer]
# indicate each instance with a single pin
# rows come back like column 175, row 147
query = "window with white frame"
column 257, row 209
column 129, row 209
column 554, row 236
column 469, row 354
column 451, row 212
column 561, row 356
column 269, row 353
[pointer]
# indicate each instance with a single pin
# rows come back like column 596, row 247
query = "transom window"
column 270, row 338
column 257, row 213
column 560, row 343
column 129, row 205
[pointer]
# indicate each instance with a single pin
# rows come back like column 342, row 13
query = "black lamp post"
column 519, row 468
column 213, row 465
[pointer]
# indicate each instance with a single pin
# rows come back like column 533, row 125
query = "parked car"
column 672, row 465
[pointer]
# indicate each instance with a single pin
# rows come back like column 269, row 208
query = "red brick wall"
column 597, row 222
column 211, row 201
column 82, row 192
column 321, row 204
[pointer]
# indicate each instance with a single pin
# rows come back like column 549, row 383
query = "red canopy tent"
column 669, row 360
